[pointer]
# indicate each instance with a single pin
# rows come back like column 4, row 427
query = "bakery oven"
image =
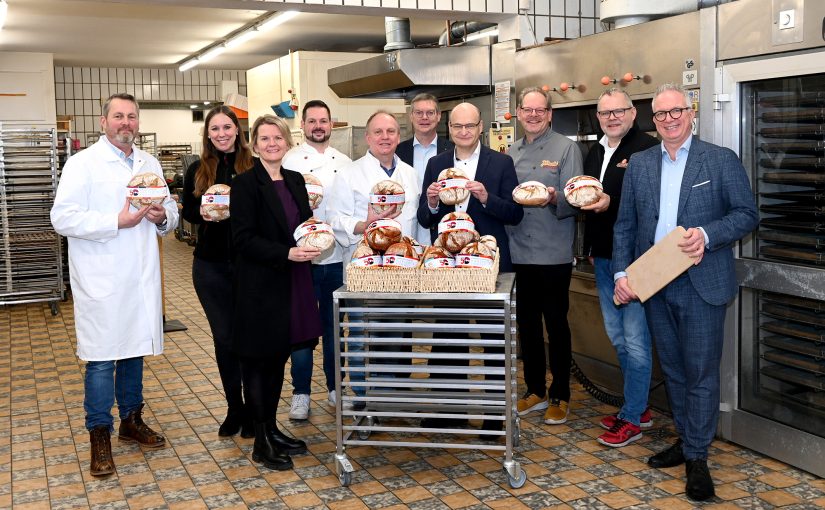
column 771, row 110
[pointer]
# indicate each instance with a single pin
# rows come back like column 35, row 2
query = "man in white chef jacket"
column 114, row 266
column 352, row 205
column 316, row 157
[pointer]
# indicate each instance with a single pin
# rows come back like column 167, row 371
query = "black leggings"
column 263, row 379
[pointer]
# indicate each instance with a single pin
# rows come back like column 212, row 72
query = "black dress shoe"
column 443, row 423
column 673, row 456
column 231, row 425
column 288, row 444
column 699, row 486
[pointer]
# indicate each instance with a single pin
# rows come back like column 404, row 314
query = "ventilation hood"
column 447, row 72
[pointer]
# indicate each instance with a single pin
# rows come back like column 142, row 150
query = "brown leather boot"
column 134, row 429
column 101, row 449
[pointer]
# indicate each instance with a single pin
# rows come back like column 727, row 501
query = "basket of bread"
column 384, row 260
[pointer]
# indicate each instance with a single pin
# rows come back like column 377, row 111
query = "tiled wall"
column 80, row 91
column 564, row 19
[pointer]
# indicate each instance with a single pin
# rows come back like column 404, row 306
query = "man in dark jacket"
column 625, row 325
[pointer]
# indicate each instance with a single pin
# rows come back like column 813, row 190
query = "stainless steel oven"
column 770, row 104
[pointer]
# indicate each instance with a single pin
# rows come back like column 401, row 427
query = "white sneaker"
column 300, row 407
column 332, row 399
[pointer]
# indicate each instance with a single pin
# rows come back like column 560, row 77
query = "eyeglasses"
column 420, row 114
column 675, row 113
column 537, row 111
column 618, row 113
column 461, row 127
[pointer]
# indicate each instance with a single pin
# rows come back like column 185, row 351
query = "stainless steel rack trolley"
column 30, row 264
column 392, row 389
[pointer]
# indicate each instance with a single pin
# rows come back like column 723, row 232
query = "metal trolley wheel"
column 517, row 483
column 346, row 478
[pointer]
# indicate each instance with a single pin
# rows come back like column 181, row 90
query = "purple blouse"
column 305, row 320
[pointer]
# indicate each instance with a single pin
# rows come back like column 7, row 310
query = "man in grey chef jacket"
column 114, row 265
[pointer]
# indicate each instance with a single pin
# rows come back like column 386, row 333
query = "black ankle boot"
column 266, row 450
column 288, row 444
column 232, row 424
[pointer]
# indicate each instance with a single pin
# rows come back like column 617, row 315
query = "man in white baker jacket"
column 315, row 157
column 114, row 265
column 352, row 205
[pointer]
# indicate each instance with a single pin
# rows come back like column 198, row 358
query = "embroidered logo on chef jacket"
column 549, row 164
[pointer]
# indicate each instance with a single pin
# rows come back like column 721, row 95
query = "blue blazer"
column 498, row 174
column 715, row 195
column 404, row 151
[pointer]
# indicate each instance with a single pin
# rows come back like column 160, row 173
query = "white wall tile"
column 88, row 106
column 78, row 107
column 541, row 6
column 187, row 93
column 557, row 7
column 196, row 78
column 557, row 27
column 572, row 27
column 147, row 76
column 95, row 74
column 96, row 108
column 461, row 5
column 571, row 7
column 588, row 8
column 212, row 93
column 58, row 91
column 542, row 27
column 104, row 91
column 511, row 6
column 87, row 91
column 138, row 91
column 444, row 4
column 86, row 75
column 60, row 107
column 112, row 75
column 334, row 2
column 95, row 91
column 155, row 92
column 77, row 92
column 90, row 124
column 372, row 3
column 130, row 89
column 187, row 78
column 147, row 91
column 588, row 26
column 156, row 75
column 163, row 95
column 599, row 27
column 430, row 4
column 69, row 108
column 495, row 6
column 390, row 4
column 242, row 78
column 477, row 5
column 58, row 75
column 408, row 4
column 352, row 2
column 180, row 93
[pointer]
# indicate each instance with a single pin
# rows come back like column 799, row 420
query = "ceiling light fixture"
column 261, row 25
column 4, row 9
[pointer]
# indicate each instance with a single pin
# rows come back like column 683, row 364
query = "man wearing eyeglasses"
column 492, row 178
column 542, row 251
column 425, row 143
column 704, row 188
column 625, row 325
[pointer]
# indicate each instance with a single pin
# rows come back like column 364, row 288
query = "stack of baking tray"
column 31, row 268
column 791, row 131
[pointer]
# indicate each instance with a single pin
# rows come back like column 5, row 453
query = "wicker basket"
column 382, row 279
column 455, row 279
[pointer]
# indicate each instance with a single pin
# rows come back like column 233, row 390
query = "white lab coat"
column 115, row 274
column 325, row 166
column 359, row 177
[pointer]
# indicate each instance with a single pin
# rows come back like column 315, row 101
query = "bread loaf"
column 415, row 244
column 146, row 189
column 380, row 234
column 475, row 255
column 366, row 256
column 315, row 190
column 490, row 242
column 530, row 193
column 452, row 182
column 215, row 202
column 401, row 255
column 385, row 194
column 455, row 230
column 314, row 233
column 582, row 190
column 437, row 258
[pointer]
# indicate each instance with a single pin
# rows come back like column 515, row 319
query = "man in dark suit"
column 705, row 189
column 492, row 178
column 625, row 325
column 425, row 143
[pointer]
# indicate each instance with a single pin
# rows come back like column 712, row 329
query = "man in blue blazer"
column 490, row 204
column 704, row 188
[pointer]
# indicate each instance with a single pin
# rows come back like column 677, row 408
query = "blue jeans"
column 326, row 279
column 627, row 329
column 106, row 380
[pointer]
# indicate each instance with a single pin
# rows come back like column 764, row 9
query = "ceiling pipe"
column 625, row 13
column 398, row 34
column 460, row 30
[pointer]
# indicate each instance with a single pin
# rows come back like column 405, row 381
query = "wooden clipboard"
column 658, row 266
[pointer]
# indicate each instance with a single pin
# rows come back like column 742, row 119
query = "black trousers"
column 213, row 285
column 263, row 378
column 543, row 293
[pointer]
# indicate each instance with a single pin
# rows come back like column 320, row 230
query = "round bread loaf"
column 455, row 230
column 452, row 181
column 146, row 189
column 385, row 194
column 314, row 233
column 362, row 249
column 402, row 249
column 530, row 193
column 490, row 242
column 582, row 190
column 475, row 255
column 210, row 207
column 415, row 244
column 365, row 256
column 436, row 258
column 380, row 234
column 477, row 248
column 315, row 190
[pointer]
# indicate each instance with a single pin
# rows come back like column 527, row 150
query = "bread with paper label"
column 402, row 249
column 478, row 248
column 582, row 190
column 216, row 212
column 315, row 190
column 490, row 242
column 387, row 188
column 437, row 257
column 530, row 193
column 380, row 234
column 456, row 229
column 315, row 234
column 146, row 180
column 452, row 195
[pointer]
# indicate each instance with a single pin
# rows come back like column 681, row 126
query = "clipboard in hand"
column 658, row 266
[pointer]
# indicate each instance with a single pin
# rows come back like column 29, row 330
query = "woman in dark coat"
column 224, row 155
column 275, row 308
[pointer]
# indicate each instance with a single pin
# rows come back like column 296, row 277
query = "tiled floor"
column 44, row 449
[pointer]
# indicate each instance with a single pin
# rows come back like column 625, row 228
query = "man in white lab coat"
column 114, row 266
column 354, row 213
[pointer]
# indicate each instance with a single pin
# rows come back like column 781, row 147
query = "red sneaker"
column 645, row 422
column 620, row 434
